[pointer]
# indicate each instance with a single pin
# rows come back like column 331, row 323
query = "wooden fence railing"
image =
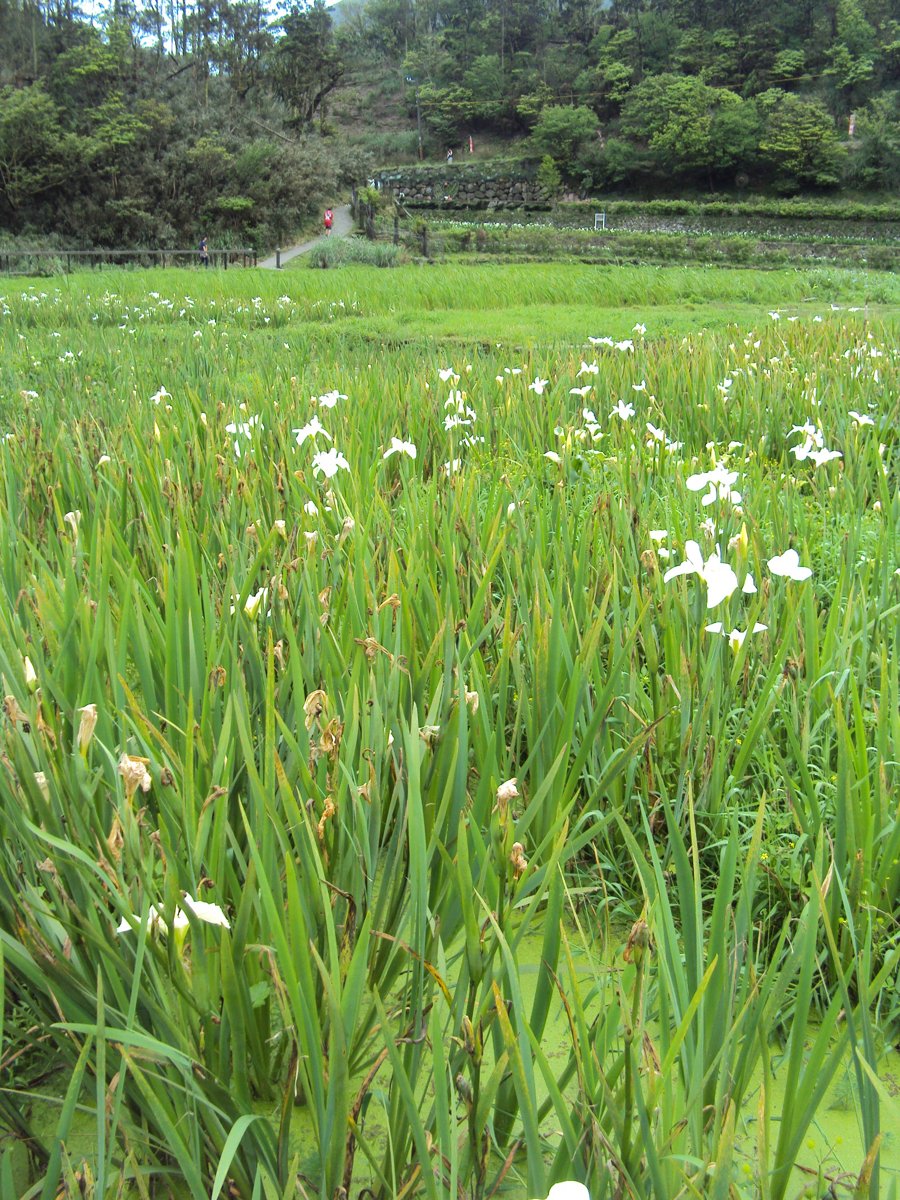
column 64, row 259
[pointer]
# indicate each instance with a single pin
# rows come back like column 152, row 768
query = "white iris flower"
column 398, row 446
column 787, row 565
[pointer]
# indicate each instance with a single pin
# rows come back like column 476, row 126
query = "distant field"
column 521, row 306
column 655, row 242
column 450, row 733
column 766, row 233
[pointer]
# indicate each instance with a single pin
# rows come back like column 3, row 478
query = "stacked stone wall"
column 462, row 186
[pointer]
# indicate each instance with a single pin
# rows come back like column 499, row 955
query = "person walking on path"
column 342, row 226
column 204, row 251
column 329, row 221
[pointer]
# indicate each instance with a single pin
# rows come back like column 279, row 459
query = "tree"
column 306, row 64
column 531, row 103
column 875, row 157
column 685, row 123
column 36, row 155
column 445, row 110
column 561, row 132
column 390, row 26
column 241, row 43
column 485, row 82
column 801, row 145
column 604, row 85
column 735, row 134
column 622, row 161
column 789, row 66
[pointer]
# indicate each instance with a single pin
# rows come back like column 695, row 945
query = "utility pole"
column 415, row 83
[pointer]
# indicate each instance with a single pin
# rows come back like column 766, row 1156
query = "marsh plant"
column 361, row 698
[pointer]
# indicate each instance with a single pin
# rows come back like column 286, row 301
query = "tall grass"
column 320, row 686
column 343, row 252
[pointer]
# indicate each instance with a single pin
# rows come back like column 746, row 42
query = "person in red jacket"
column 329, row 221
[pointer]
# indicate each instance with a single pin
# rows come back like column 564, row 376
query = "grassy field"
column 451, row 733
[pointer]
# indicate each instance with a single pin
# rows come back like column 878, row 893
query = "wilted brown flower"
column 115, row 839
column 314, row 706
column 371, row 647
column 464, row 1090
column 327, row 814
column 518, row 859
column 638, row 942
column 135, row 774
column 330, row 741
column 14, row 713
column 507, row 791
column 44, row 729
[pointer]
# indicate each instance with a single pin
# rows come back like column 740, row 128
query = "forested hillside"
column 657, row 93
column 145, row 125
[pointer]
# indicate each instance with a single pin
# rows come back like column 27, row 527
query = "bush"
column 548, row 175
column 561, row 132
column 354, row 251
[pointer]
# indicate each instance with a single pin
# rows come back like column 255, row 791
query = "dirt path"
column 343, row 224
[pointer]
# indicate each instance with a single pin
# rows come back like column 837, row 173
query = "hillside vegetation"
column 149, row 124
column 662, row 95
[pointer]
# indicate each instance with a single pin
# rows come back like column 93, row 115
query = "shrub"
column 561, row 131
column 354, row 251
column 548, row 175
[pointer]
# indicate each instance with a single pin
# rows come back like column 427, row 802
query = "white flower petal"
column 212, row 914
column 787, row 565
column 570, row 1190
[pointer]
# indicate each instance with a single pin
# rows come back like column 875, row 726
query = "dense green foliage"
column 658, row 93
column 149, row 125
column 137, row 131
column 362, row 638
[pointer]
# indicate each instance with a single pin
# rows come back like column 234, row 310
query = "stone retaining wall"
column 462, row 185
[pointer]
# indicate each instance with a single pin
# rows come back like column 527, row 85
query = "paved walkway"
column 343, row 224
